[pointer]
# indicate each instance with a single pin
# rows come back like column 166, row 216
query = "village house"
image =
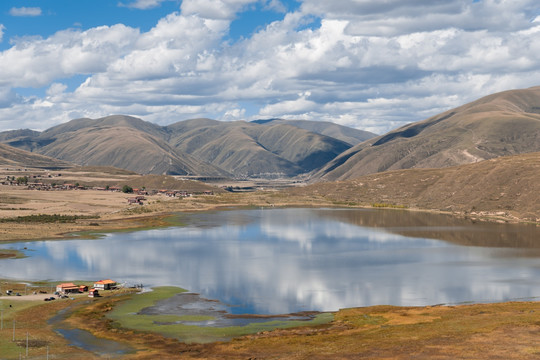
column 67, row 288
column 93, row 293
column 133, row 201
column 104, row 284
column 136, row 200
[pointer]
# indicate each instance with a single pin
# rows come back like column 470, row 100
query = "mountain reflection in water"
column 288, row 260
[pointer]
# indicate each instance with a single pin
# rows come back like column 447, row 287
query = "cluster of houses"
column 71, row 288
column 138, row 199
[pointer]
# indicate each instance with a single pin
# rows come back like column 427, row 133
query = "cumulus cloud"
column 214, row 9
column 37, row 62
column 25, row 11
column 275, row 5
column 2, row 28
column 370, row 65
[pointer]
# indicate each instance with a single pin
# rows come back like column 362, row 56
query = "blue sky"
column 373, row 65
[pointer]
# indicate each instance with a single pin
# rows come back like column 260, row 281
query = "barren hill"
column 346, row 134
column 505, row 186
column 192, row 147
column 248, row 149
column 11, row 156
column 119, row 141
column 501, row 124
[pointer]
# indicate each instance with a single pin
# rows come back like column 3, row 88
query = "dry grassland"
column 481, row 331
column 108, row 211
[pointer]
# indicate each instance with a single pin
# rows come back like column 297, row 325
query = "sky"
column 373, row 65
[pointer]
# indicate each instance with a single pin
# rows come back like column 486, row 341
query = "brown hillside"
column 346, row 134
column 250, row 149
column 10, row 156
column 507, row 187
column 122, row 147
column 502, row 124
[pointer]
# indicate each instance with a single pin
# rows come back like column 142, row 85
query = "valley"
column 478, row 163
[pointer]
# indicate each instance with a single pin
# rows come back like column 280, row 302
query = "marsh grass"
column 125, row 315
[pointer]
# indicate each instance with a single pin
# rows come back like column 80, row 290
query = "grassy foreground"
column 480, row 331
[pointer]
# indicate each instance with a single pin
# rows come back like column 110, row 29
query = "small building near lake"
column 68, row 288
column 93, row 293
column 104, row 284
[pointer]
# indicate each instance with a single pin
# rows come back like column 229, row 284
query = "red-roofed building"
column 104, row 284
column 67, row 288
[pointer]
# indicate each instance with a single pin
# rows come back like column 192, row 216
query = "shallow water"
column 289, row 260
column 85, row 340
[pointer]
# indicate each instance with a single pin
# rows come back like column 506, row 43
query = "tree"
column 22, row 180
column 127, row 189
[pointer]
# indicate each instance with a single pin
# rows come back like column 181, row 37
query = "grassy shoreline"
column 160, row 214
column 477, row 331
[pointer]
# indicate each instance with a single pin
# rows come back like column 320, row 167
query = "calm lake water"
column 275, row 261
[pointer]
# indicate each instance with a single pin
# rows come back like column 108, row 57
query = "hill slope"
column 501, row 124
column 11, row 156
column 248, row 149
column 119, row 141
column 505, row 186
column 346, row 134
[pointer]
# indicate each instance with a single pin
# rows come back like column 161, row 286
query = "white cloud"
column 214, row 9
column 56, row 89
column 371, row 65
column 36, row 63
column 25, row 11
column 275, row 5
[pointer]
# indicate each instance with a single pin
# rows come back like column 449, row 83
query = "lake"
column 275, row 261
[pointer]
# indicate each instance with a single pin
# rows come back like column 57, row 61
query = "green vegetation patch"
column 45, row 218
column 126, row 316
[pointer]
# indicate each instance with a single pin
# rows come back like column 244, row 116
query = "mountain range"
column 193, row 147
column 502, row 124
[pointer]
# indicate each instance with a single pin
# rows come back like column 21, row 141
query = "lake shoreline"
column 115, row 214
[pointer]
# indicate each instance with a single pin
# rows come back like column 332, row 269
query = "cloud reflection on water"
column 288, row 260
